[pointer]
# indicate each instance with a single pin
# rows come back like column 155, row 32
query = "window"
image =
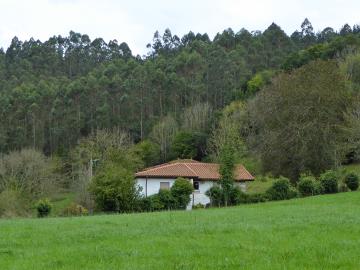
column 165, row 185
column 196, row 185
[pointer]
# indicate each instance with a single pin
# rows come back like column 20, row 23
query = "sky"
column 135, row 21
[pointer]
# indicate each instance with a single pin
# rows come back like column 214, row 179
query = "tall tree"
column 298, row 120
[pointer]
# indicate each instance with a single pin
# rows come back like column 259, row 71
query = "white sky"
column 135, row 21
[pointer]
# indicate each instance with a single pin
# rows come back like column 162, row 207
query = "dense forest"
column 284, row 104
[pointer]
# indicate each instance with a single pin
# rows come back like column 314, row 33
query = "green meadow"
column 321, row 232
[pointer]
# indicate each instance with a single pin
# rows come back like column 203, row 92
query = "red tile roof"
column 192, row 169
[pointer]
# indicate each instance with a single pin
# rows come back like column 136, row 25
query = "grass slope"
column 313, row 233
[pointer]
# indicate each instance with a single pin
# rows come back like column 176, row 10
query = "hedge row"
column 308, row 185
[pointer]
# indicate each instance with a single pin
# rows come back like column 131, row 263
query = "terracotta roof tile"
column 192, row 169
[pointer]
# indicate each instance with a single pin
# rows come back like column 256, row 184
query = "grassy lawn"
column 320, row 232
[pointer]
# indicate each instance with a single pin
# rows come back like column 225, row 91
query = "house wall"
column 153, row 186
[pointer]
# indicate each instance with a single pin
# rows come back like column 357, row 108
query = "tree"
column 188, row 145
column 163, row 133
column 148, row 151
column 227, row 167
column 29, row 173
column 345, row 30
column 307, row 32
column 298, row 120
column 197, row 117
column 115, row 189
column 231, row 131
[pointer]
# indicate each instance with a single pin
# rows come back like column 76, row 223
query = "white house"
column 202, row 175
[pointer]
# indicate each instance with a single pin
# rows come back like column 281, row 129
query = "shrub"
column 352, row 181
column 43, row 208
column 29, row 172
column 329, row 182
column 237, row 196
column 257, row 197
column 167, row 199
column 216, row 196
column 75, row 210
column 181, row 191
column 114, row 189
column 307, row 185
column 281, row 190
column 12, row 204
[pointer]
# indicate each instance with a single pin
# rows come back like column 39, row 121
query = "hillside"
column 313, row 233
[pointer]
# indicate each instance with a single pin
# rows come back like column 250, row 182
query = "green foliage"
column 292, row 117
column 181, row 191
column 237, row 196
column 168, row 200
column 114, row 189
column 329, row 181
column 323, row 51
column 187, row 145
column 257, row 198
column 307, row 185
column 178, row 197
column 258, row 81
column 60, row 90
column 226, row 171
column 43, row 208
column 352, row 181
column 281, row 190
column 148, row 151
column 231, row 131
column 216, row 196
column 151, row 203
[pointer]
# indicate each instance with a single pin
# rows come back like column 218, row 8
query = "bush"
column 152, row 203
column 329, row 182
column 257, row 198
column 75, row 210
column 12, row 204
column 167, row 199
column 181, row 191
column 114, row 189
column 352, row 181
column 43, row 208
column 216, row 196
column 237, row 196
column 281, row 190
column 307, row 185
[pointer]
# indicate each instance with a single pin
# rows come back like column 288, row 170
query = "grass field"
column 320, row 232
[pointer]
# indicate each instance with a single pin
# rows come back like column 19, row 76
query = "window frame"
column 164, row 188
column 198, row 185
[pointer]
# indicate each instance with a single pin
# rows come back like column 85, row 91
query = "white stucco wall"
column 198, row 196
column 153, row 185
